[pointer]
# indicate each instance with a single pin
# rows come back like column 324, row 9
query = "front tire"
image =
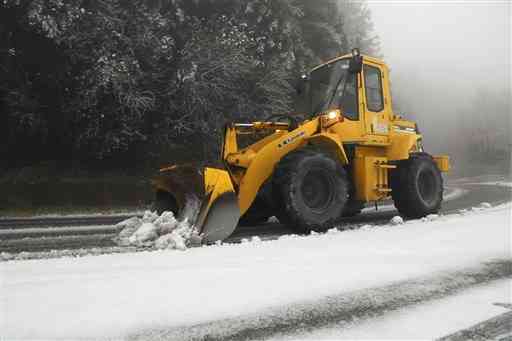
column 258, row 213
column 417, row 187
column 312, row 190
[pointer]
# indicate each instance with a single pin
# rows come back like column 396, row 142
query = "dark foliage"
column 111, row 81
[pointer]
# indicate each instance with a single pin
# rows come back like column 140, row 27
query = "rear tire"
column 164, row 201
column 352, row 208
column 312, row 191
column 417, row 187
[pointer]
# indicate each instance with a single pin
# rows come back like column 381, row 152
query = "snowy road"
column 422, row 308
column 39, row 242
column 438, row 317
column 256, row 290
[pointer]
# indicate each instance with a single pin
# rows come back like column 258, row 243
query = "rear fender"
column 443, row 162
column 402, row 144
column 263, row 164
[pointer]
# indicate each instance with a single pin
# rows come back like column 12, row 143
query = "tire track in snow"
column 340, row 310
column 496, row 328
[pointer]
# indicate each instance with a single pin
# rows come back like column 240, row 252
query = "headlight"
column 419, row 145
column 330, row 118
column 333, row 115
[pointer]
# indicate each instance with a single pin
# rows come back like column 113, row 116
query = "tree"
column 101, row 80
column 358, row 27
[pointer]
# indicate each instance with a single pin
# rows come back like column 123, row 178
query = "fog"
column 450, row 64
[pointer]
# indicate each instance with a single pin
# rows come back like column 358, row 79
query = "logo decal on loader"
column 291, row 139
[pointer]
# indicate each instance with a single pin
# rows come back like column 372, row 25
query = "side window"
column 346, row 98
column 349, row 100
column 373, row 84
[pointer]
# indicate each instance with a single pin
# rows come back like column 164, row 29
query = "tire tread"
column 284, row 174
column 404, row 193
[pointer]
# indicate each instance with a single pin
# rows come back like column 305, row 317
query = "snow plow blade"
column 206, row 197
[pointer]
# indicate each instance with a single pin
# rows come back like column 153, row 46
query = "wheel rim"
column 317, row 190
column 427, row 186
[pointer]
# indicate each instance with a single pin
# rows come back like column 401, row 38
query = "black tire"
column 312, row 190
column 251, row 220
column 352, row 208
column 417, row 187
column 164, row 201
column 258, row 213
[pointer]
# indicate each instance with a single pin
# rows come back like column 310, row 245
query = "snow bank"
column 115, row 296
column 161, row 232
column 396, row 220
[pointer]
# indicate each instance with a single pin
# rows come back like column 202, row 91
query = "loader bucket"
column 206, row 197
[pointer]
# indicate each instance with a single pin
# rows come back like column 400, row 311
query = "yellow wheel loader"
column 351, row 150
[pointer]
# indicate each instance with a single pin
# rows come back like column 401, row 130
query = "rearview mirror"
column 300, row 87
column 356, row 62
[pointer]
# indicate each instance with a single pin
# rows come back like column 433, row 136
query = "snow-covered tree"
column 358, row 27
column 94, row 79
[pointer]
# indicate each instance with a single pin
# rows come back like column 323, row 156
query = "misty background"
column 450, row 64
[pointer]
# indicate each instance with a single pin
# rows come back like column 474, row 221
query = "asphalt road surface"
column 42, row 235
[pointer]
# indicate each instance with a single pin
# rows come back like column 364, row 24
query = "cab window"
column 346, row 97
column 332, row 86
column 373, row 85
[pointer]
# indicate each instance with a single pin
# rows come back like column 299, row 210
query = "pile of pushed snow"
column 161, row 232
column 483, row 206
column 430, row 217
column 397, row 220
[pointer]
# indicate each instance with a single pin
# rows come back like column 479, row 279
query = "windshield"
column 324, row 82
column 333, row 87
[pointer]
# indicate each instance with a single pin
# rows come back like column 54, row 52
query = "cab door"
column 347, row 98
column 376, row 106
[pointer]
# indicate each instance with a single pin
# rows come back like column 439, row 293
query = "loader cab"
column 358, row 86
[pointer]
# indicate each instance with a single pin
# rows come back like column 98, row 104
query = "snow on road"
column 428, row 321
column 56, row 230
column 169, row 232
column 113, row 213
column 113, row 296
column 450, row 193
column 493, row 183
